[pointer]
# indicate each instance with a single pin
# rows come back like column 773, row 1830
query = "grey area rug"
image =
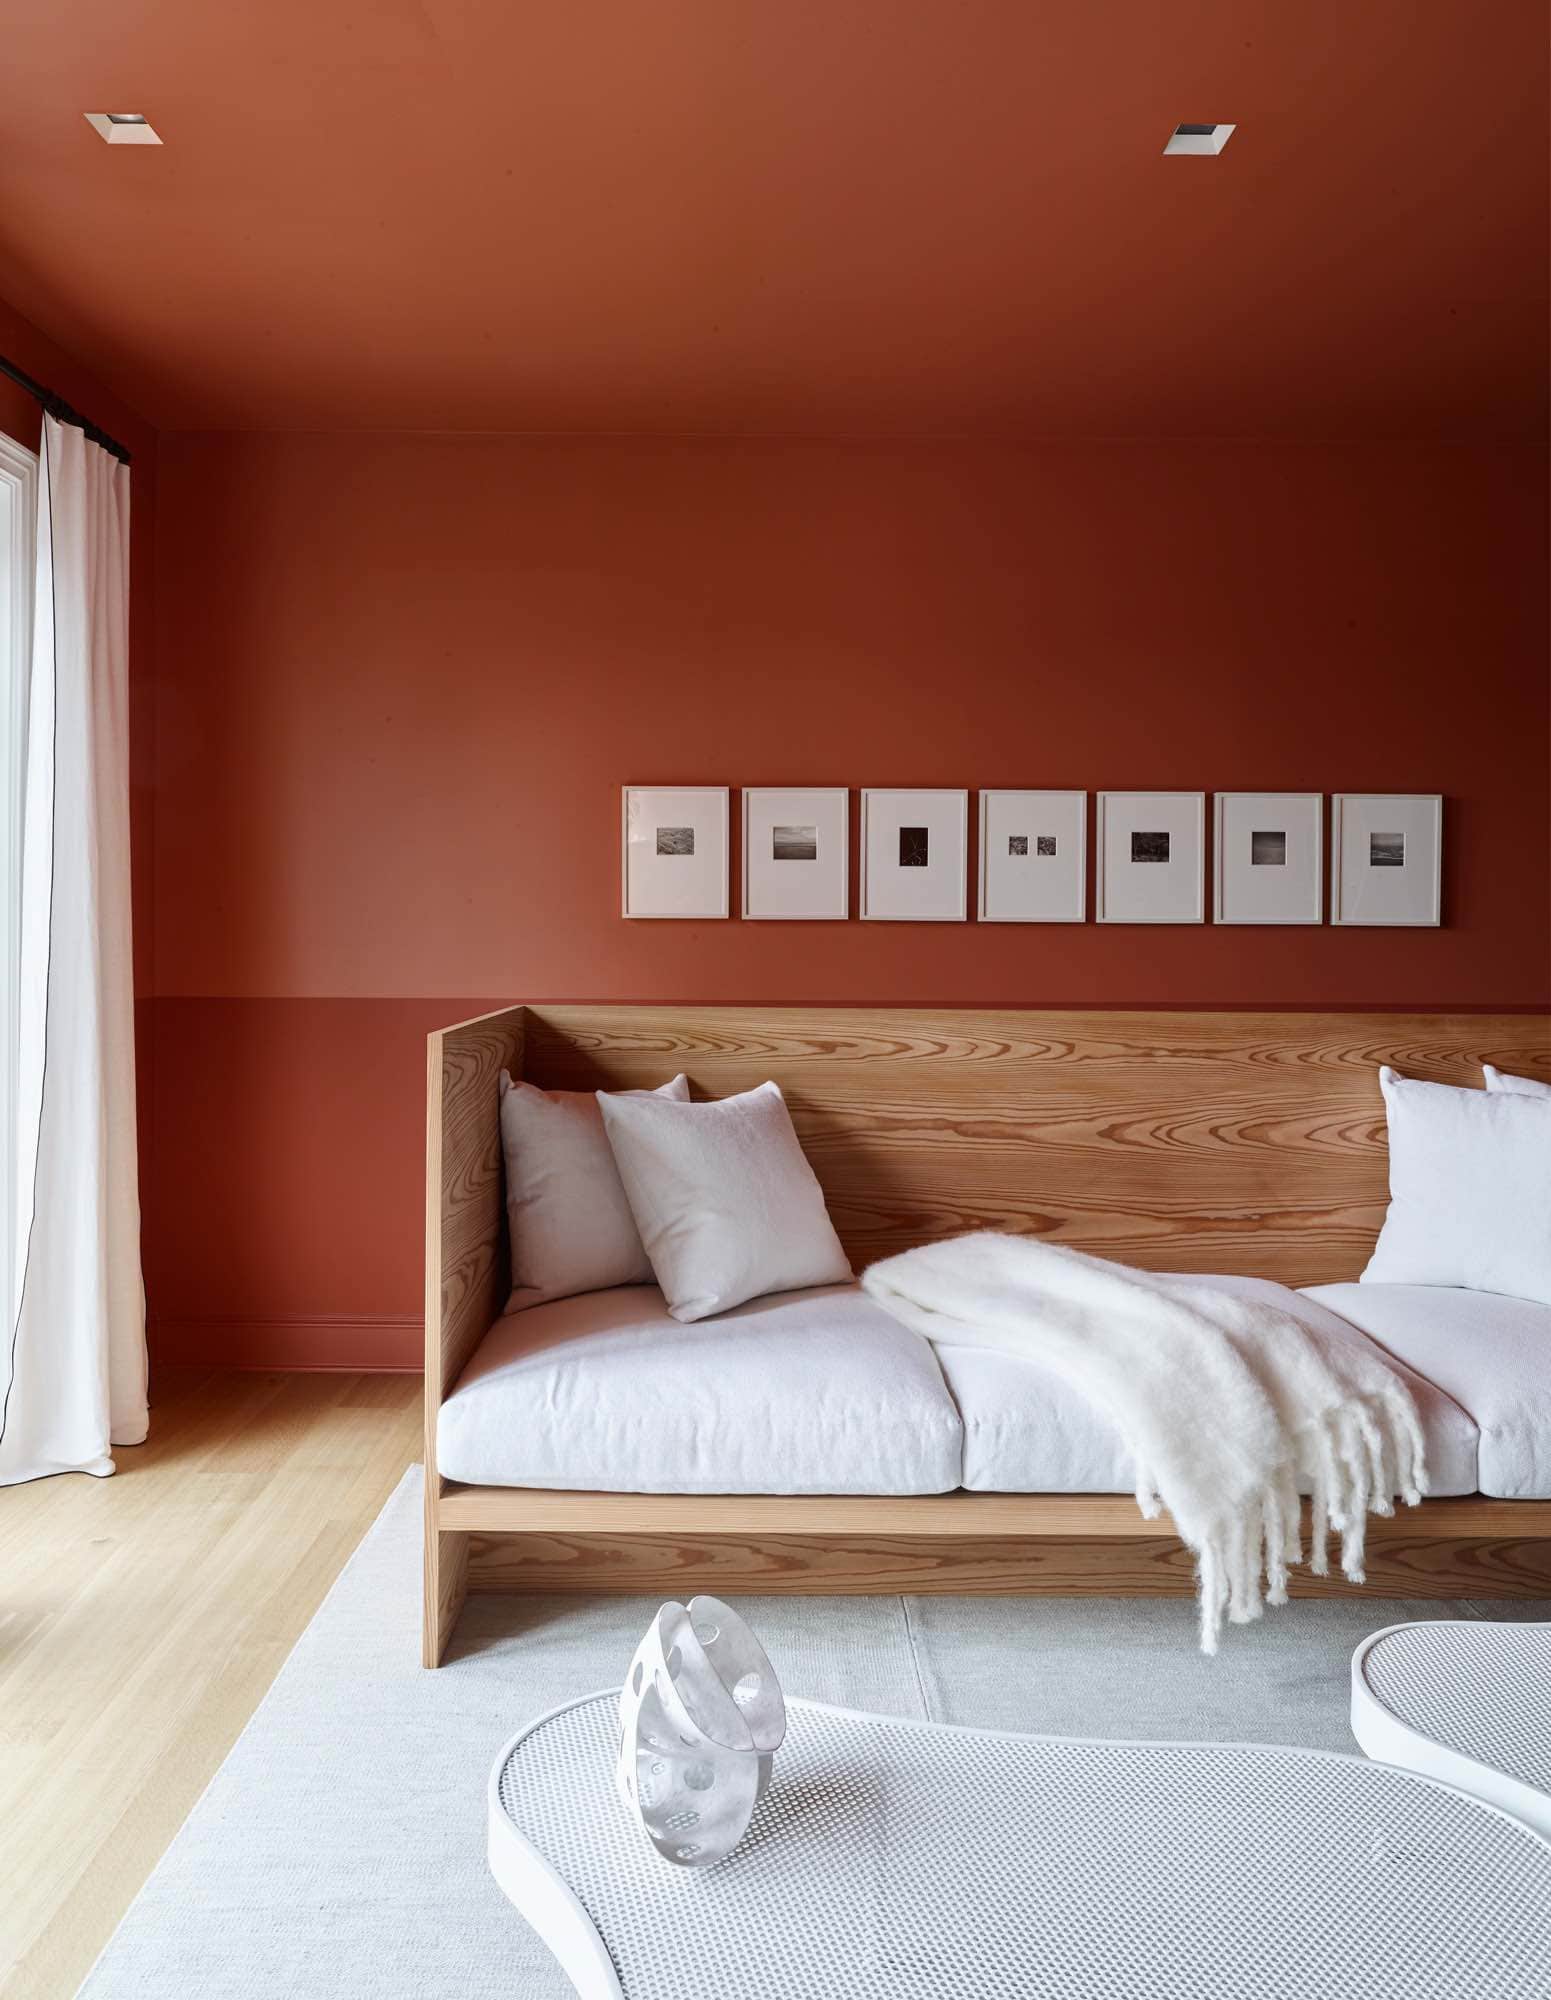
column 339, row 1851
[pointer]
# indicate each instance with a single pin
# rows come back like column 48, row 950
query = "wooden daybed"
column 1246, row 1143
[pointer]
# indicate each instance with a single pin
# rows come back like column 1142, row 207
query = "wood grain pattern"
column 445, row 1585
column 1209, row 1142
column 1149, row 1565
column 468, row 1272
column 1179, row 1141
column 957, row 1516
column 843, row 1543
column 467, row 1266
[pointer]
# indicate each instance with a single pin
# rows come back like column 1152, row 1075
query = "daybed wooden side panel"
column 1179, row 1141
column 1061, row 1543
column 467, row 1273
column 680, row 1564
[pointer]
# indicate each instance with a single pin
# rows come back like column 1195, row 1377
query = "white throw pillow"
column 569, row 1222
column 727, row 1206
column 1469, row 1190
column 1498, row 1080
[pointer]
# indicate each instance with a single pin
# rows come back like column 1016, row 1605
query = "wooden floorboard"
column 142, row 1617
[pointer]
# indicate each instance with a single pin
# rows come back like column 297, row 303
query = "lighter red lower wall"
column 403, row 678
column 286, row 1224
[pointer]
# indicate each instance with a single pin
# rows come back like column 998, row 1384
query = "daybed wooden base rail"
column 1179, row 1141
column 500, row 1538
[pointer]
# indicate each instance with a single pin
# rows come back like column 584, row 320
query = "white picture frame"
column 1033, row 857
column 1386, row 859
column 1268, row 862
column 796, row 853
column 915, row 856
column 673, row 860
column 1151, row 858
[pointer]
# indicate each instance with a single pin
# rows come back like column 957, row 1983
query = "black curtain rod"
column 61, row 411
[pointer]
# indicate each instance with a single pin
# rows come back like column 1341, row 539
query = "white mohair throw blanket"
column 1229, row 1405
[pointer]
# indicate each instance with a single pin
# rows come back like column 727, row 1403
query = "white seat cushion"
column 1026, row 1431
column 813, row 1391
column 1490, row 1353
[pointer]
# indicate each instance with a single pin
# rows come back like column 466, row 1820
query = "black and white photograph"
column 675, row 850
column 1270, row 866
column 1151, row 858
column 1033, row 857
column 1387, row 859
column 794, row 843
column 1268, row 848
column 915, row 852
column 796, row 853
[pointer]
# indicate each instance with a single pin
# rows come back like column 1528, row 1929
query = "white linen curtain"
column 74, row 1375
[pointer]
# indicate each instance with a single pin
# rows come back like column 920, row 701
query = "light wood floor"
column 142, row 1617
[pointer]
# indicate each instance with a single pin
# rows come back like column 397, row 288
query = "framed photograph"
column 1270, row 862
column 675, row 850
column 1386, row 860
column 915, row 849
column 1152, row 858
column 796, row 852
column 1033, row 857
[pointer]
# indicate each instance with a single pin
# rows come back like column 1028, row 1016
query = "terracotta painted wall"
column 402, row 678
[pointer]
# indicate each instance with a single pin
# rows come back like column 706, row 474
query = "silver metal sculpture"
column 701, row 1717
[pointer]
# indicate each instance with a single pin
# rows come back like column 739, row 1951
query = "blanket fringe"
column 1356, row 1461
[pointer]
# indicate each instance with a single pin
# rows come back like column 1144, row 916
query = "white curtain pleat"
column 75, row 1377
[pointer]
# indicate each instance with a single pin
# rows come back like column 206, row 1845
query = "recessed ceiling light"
column 124, row 128
column 1199, row 138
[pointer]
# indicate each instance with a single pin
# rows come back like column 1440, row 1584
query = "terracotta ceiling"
column 800, row 217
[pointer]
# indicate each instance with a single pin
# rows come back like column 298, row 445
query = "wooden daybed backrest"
column 1180, row 1141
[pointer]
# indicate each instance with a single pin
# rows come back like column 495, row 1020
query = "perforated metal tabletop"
column 1463, row 1700
column 896, row 1860
column 1481, row 1689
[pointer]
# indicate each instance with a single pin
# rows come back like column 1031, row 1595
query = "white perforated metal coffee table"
column 1465, row 1701
column 895, row 1860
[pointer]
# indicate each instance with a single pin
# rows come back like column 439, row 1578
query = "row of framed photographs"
column 1386, row 853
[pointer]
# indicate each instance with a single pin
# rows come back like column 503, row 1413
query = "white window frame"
column 18, row 571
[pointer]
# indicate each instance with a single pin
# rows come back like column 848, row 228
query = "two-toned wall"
column 399, row 681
